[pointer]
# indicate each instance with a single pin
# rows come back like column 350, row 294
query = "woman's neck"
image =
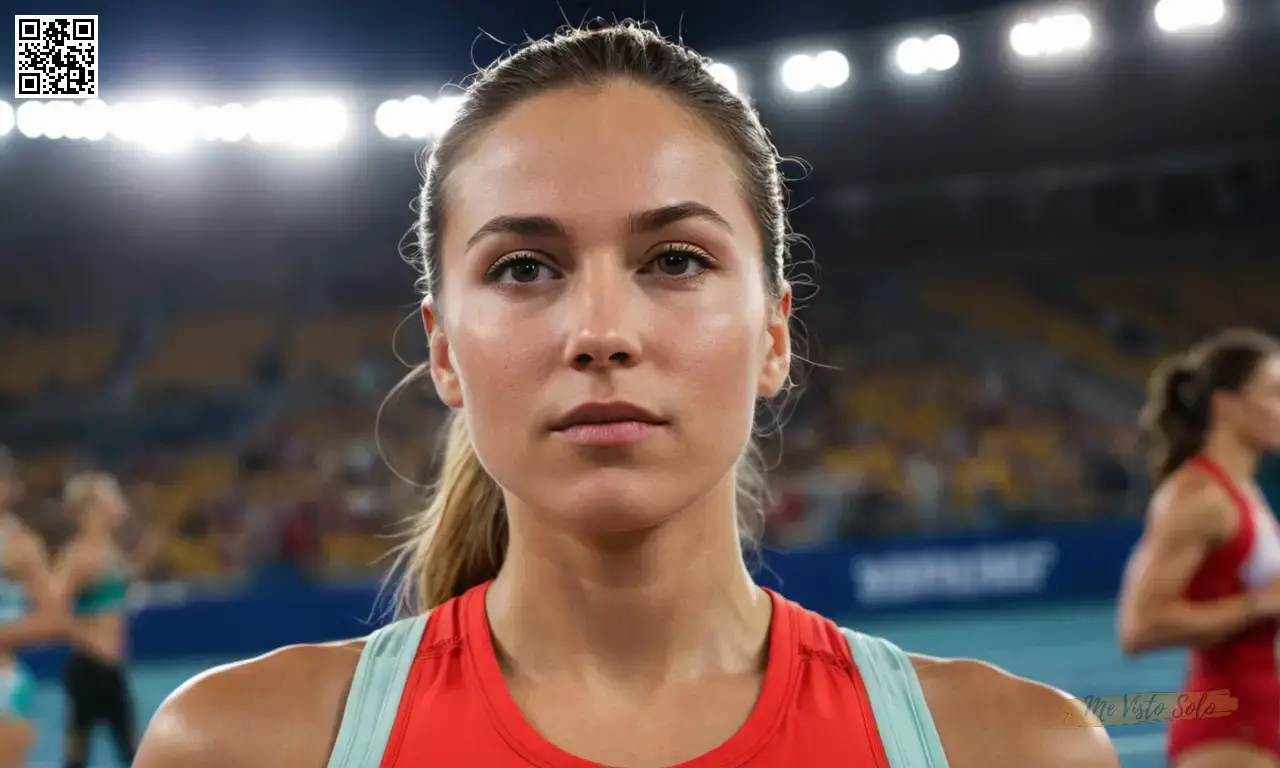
column 95, row 533
column 1235, row 457
column 672, row 603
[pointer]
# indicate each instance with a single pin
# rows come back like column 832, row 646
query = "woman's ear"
column 777, row 354
column 443, row 373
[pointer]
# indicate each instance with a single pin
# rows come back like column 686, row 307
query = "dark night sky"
column 236, row 44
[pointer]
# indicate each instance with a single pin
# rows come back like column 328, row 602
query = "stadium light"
column 317, row 122
column 58, row 116
column 916, row 56
column 267, row 121
column 167, row 126
column 233, row 122
column 69, row 120
column 95, row 120
column 833, row 69
column 300, row 123
column 229, row 123
column 389, row 119
column 725, row 75
column 1175, row 16
column 162, row 126
column 73, row 116
column 803, row 73
column 416, row 116
column 209, row 123
column 29, row 119
column 1051, row 35
column 127, row 121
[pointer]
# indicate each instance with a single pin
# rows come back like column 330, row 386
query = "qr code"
column 56, row 57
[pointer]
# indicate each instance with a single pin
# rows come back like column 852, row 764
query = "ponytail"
column 460, row 540
column 1176, row 417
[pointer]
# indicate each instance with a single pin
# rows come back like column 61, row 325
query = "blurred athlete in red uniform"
column 1206, row 574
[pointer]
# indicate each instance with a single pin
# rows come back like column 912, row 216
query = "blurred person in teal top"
column 30, row 612
column 95, row 573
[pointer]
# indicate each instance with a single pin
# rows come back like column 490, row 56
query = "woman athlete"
column 604, row 239
column 95, row 575
column 1206, row 573
column 30, row 612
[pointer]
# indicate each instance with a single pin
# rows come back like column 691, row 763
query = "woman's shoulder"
column 20, row 542
column 283, row 708
column 1192, row 504
column 986, row 716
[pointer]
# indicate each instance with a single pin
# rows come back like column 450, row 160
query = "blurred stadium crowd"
column 995, row 285
column 1000, row 397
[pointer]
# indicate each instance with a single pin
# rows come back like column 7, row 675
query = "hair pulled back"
column 1179, row 410
column 460, row 540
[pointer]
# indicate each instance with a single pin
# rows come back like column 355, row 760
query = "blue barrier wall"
column 1065, row 562
column 841, row 580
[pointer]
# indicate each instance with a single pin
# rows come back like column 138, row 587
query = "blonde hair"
column 461, row 539
column 81, row 489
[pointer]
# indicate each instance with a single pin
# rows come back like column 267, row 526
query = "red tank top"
column 455, row 709
column 1251, row 555
column 1243, row 665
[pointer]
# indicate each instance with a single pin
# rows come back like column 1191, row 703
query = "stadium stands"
column 36, row 361
column 333, row 346
column 210, row 351
column 309, row 459
column 1148, row 296
column 1008, row 308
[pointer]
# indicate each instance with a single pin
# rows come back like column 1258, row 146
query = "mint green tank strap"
column 374, row 698
column 906, row 727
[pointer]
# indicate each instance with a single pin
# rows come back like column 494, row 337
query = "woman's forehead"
column 604, row 152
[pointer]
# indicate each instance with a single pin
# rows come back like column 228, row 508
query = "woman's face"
column 1255, row 411
column 602, row 316
column 110, row 504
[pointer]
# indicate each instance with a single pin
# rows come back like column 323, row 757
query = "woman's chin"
column 615, row 505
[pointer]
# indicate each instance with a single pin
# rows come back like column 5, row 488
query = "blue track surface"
column 1071, row 648
column 1068, row 647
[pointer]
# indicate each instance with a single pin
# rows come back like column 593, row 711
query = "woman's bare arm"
column 27, row 561
column 1182, row 528
column 988, row 718
column 280, row 709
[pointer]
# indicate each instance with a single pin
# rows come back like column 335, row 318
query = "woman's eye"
column 679, row 263
column 521, row 271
